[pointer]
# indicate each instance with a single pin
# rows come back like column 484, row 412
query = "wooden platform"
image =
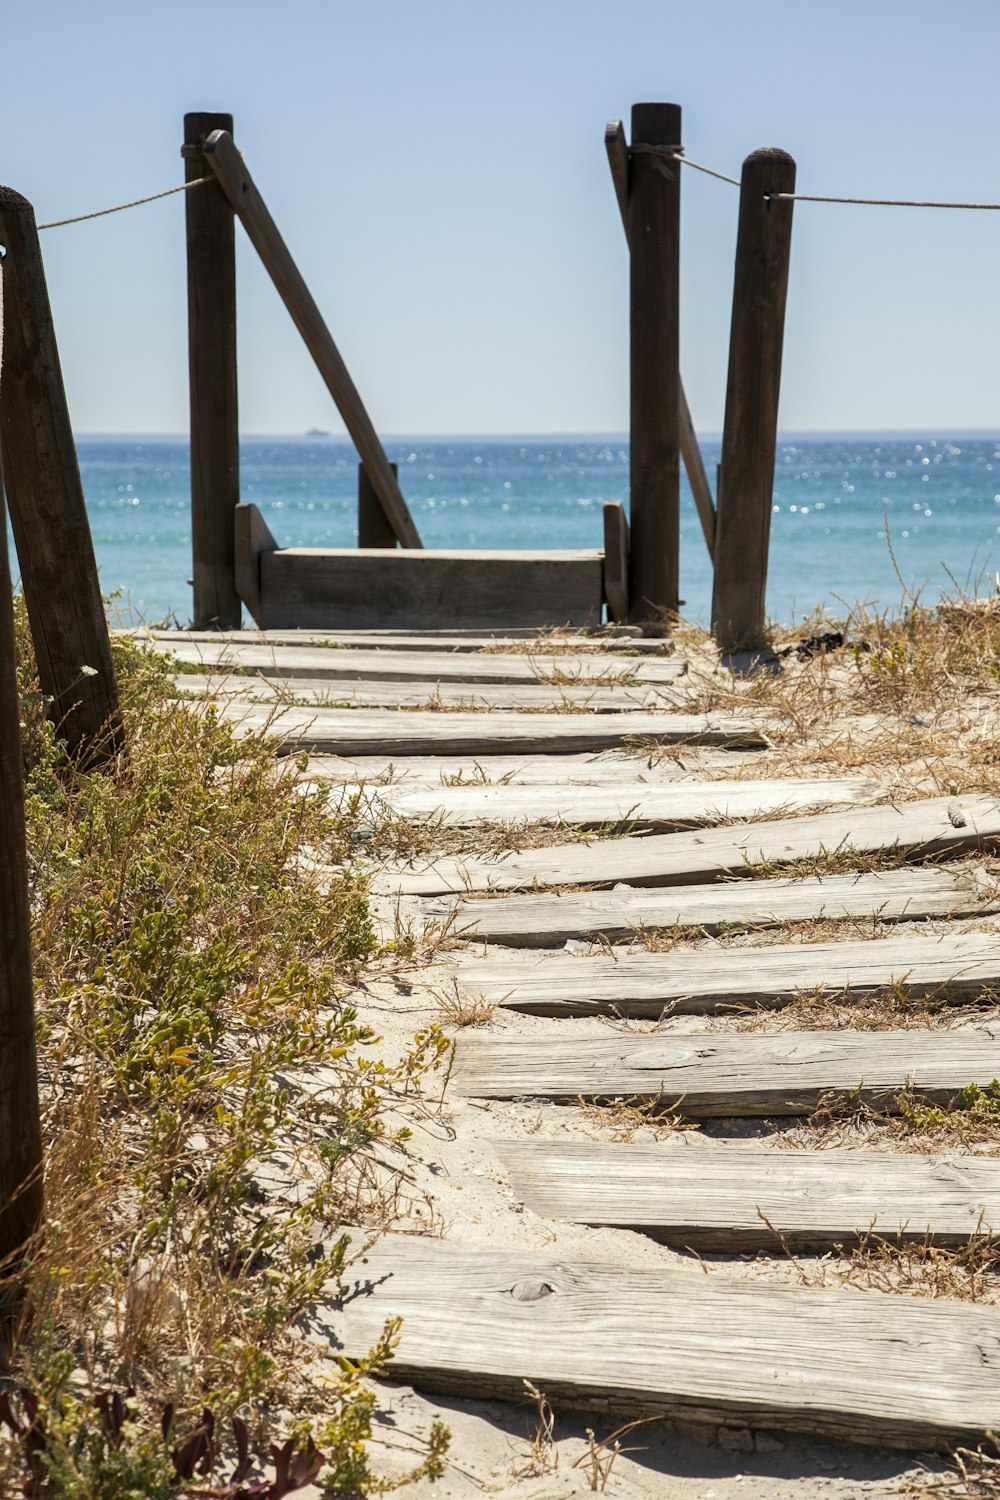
column 901, row 1371
column 731, row 1074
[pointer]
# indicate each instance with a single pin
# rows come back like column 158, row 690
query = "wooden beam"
column 376, row 731
column 616, row 560
column 252, row 538
column 367, row 664
column 548, row 921
column 20, row 1128
column 641, row 984
column 239, row 187
column 701, row 1196
column 618, row 160
column 750, row 430
column 929, row 828
column 730, row 1074
column 679, row 804
column 654, row 446
column 48, row 511
column 682, row 1344
column 312, row 586
column 374, row 529
column 215, row 437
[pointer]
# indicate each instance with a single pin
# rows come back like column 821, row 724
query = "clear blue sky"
column 437, row 167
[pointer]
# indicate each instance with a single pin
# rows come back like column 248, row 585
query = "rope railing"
column 100, row 213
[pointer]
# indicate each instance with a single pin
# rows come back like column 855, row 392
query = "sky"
column 438, row 171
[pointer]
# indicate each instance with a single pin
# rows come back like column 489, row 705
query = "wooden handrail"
column 225, row 161
column 618, row 160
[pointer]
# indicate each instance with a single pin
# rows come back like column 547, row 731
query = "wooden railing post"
column 47, row 508
column 215, row 445
column 750, row 430
column 374, row 527
column 20, row 1130
column 654, row 238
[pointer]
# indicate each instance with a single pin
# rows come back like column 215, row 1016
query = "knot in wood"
column 531, row 1291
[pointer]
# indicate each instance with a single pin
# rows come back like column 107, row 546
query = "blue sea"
column 835, row 498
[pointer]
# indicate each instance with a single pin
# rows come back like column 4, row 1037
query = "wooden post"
column 654, row 238
column 750, row 430
column 47, row 509
column 374, row 527
column 215, row 444
column 20, row 1129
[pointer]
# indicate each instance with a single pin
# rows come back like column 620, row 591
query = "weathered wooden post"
column 47, row 509
column 215, row 444
column 654, row 238
column 750, row 430
column 374, row 527
column 20, row 1128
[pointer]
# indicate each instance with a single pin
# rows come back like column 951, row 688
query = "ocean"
column 836, row 500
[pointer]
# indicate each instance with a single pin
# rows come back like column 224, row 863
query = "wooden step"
column 864, row 1366
column 425, row 693
column 647, row 985
column 378, row 732
column 732, row 1199
column 436, row 666
column 678, row 805
column 730, row 1074
column 933, row 826
column 627, row 640
column 616, row 769
column 547, row 921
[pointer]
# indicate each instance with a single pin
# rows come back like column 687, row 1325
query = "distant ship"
column 316, row 432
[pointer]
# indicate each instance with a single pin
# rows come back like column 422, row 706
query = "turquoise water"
column 834, row 495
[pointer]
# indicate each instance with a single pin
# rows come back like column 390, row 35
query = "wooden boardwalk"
column 691, row 899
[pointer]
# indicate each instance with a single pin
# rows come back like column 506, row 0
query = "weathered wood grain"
column 363, row 665
column 426, row 693
column 625, row 640
column 906, row 1371
column 373, row 731
column 547, row 921
column 934, row 826
column 616, row 566
column 610, row 768
column 735, row 1199
column 678, row 805
column 644, row 984
column 309, row 587
column 730, row 1074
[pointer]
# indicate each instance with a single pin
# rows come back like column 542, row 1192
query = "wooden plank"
column 907, row 1371
column 730, row 1074
column 931, row 827
column 415, row 693
column 617, row 769
column 239, row 187
column 252, row 537
column 616, row 548
column 212, row 380
column 618, row 160
column 643, row 984
column 48, row 511
column 624, row 640
column 308, row 587
column 677, row 805
column 542, row 921
column 654, row 447
column 377, row 731
column 368, row 665
column 707, row 1197
column 750, row 430
column 21, row 1197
